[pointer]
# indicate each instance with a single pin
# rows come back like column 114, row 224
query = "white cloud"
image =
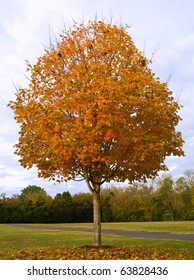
column 6, row 148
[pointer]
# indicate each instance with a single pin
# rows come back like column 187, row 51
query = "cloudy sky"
column 161, row 26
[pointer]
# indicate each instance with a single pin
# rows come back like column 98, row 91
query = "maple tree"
column 94, row 110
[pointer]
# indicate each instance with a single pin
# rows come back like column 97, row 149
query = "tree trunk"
column 97, row 218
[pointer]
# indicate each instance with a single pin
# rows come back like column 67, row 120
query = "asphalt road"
column 138, row 234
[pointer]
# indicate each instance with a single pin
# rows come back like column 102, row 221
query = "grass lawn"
column 28, row 243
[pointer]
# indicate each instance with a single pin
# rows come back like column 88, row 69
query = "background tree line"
column 164, row 198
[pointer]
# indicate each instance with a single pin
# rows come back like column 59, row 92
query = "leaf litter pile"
column 101, row 253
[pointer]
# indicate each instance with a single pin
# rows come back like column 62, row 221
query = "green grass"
column 14, row 238
column 184, row 227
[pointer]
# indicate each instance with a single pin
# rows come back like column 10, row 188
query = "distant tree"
column 94, row 110
column 189, row 176
column 10, row 210
column 62, row 209
column 184, row 190
column 83, row 207
column 36, row 205
column 127, row 204
column 67, row 196
column 119, row 205
column 64, row 195
column 31, row 189
column 165, row 194
column 137, row 208
column 106, row 195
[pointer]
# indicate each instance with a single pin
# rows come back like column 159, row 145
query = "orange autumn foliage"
column 93, row 109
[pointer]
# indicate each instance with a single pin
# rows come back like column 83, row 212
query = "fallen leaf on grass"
column 93, row 253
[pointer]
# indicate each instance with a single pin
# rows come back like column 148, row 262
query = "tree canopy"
column 109, row 117
column 94, row 110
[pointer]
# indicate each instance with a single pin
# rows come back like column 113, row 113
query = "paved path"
column 142, row 234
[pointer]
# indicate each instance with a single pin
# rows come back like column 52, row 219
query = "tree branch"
column 88, row 183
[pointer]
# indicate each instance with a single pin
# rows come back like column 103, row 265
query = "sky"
column 162, row 27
